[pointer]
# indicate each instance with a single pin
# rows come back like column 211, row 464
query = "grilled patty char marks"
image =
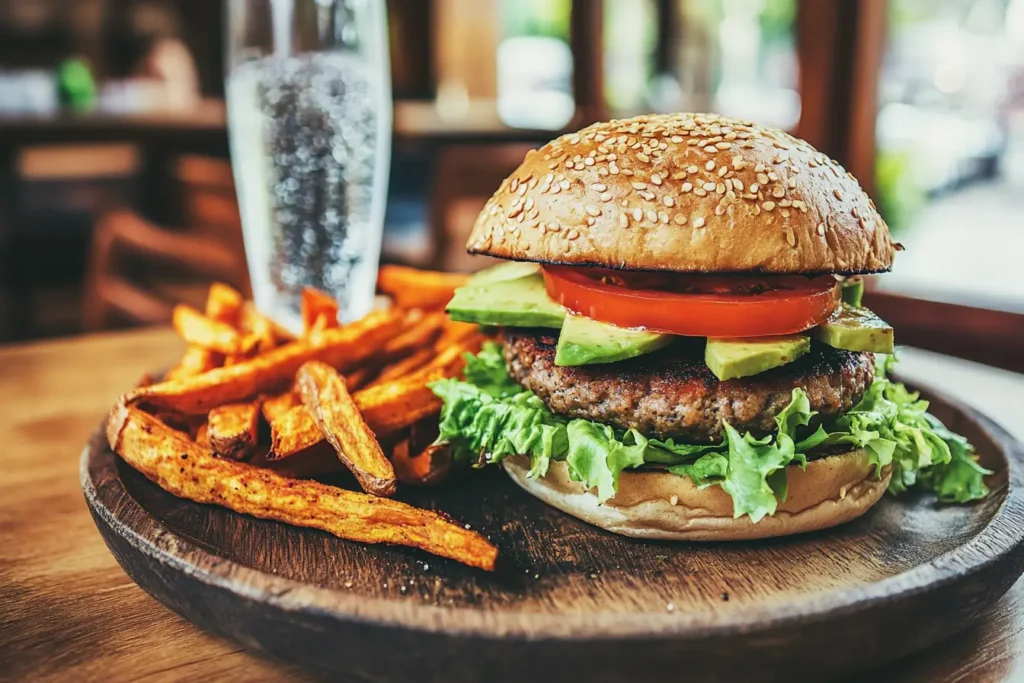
column 672, row 394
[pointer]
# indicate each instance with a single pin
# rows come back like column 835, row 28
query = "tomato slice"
column 697, row 305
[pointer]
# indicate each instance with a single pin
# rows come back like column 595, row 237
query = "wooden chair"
column 138, row 270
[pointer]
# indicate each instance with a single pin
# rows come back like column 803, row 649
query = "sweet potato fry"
column 276, row 406
column 385, row 407
column 419, row 334
column 198, row 330
column 232, row 430
column 454, row 332
column 359, row 377
column 224, row 304
column 430, row 466
column 187, row 470
column 316, row 305
column 406, row 366
column 196, row 361
column 270, row 372
column 412, row 288
column 259, row 329
column 335, row 414
column 202, row 435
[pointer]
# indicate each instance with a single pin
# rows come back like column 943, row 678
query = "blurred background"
column 116, row 192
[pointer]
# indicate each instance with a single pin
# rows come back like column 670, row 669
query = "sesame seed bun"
column 657, row 504
column 693, row 193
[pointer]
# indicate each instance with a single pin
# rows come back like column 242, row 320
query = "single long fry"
column 406, row 366
column 224, row 304
column 420, row 334
column 198, row 330
column 385, row 407
column 455, row 332
column 412, row 288
column 271, row 372
column 316, row 305
column 196, row 361
column 430, row 466
column 276, row 406
column 335, row 414
column 232, row 430
column 187, row 470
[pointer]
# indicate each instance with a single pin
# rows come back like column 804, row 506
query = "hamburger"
column 684, row 353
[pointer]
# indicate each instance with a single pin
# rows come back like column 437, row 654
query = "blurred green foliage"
column 900, row 198
column 548, row 18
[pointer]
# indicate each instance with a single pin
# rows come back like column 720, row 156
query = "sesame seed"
column 759, row 169
column 710, row 166
column 720, row 188
column 778, row 192
column 651, row 215
column 522, row 190
column 754, row 187
column 598, row 187
column 638, row 214
column 698, row 222
column 686, row 187
column 663, row 216
column 701, row 192
column 643, row 157
column 613, row 169
column 529, row 203
column 591, row 220
column 679, row 219
column 579, row 166
column 572, row 234
column 738, row 184
column 668, row 201
column 838, row 194
column 762, row 178
column 720, row 209
column 769, row 205
column 514, row 185
column 656, row 179
column 785, row 202
column 722, row 170
column 564, row 184
column 790, row 237
column 543, row 227
column 821, row 229
column 798, row 204
column 638, row 185
column 606, row 196
column 692, row 169
column 774, row 177
column 709, row 186
column 623, row 220
column 723, row 145
column 791, row 183
column 589, row 161
column 593, row 211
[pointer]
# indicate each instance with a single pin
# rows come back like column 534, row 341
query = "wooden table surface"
column 68, row 612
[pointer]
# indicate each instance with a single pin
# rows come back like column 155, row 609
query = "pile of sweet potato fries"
column 250, row 415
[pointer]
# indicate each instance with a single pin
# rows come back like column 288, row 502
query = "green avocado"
column 732, row 358
column 855, row 329
column 522, row 302
column 852, row 290
column 510, row 270
column 584, row 341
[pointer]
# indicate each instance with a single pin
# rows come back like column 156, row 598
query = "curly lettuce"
column 487, row 416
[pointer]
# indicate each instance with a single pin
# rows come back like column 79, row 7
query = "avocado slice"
column 510, row 270
column 852, row 290
column 732, row 358
column 522, row 302
column 585, row 341
column 855, row 329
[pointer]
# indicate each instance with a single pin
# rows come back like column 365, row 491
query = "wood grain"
column 68, row 612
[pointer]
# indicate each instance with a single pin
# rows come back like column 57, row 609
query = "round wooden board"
column 570, row 602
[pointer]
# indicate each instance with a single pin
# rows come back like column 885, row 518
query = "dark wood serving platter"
column 570, row 602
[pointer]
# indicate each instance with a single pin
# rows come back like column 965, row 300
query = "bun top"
column 692, row 193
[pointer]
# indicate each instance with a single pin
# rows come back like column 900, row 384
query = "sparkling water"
column 310, row 145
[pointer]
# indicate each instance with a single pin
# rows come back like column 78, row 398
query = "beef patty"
column 672, row 393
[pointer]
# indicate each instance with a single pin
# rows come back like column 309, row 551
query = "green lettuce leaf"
column 487, row 417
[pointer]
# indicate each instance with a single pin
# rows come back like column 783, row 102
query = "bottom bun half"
column 657, row 504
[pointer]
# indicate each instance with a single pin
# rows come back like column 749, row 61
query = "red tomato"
column 722, row 306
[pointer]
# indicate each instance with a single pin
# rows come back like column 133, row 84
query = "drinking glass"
column 309, row 120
